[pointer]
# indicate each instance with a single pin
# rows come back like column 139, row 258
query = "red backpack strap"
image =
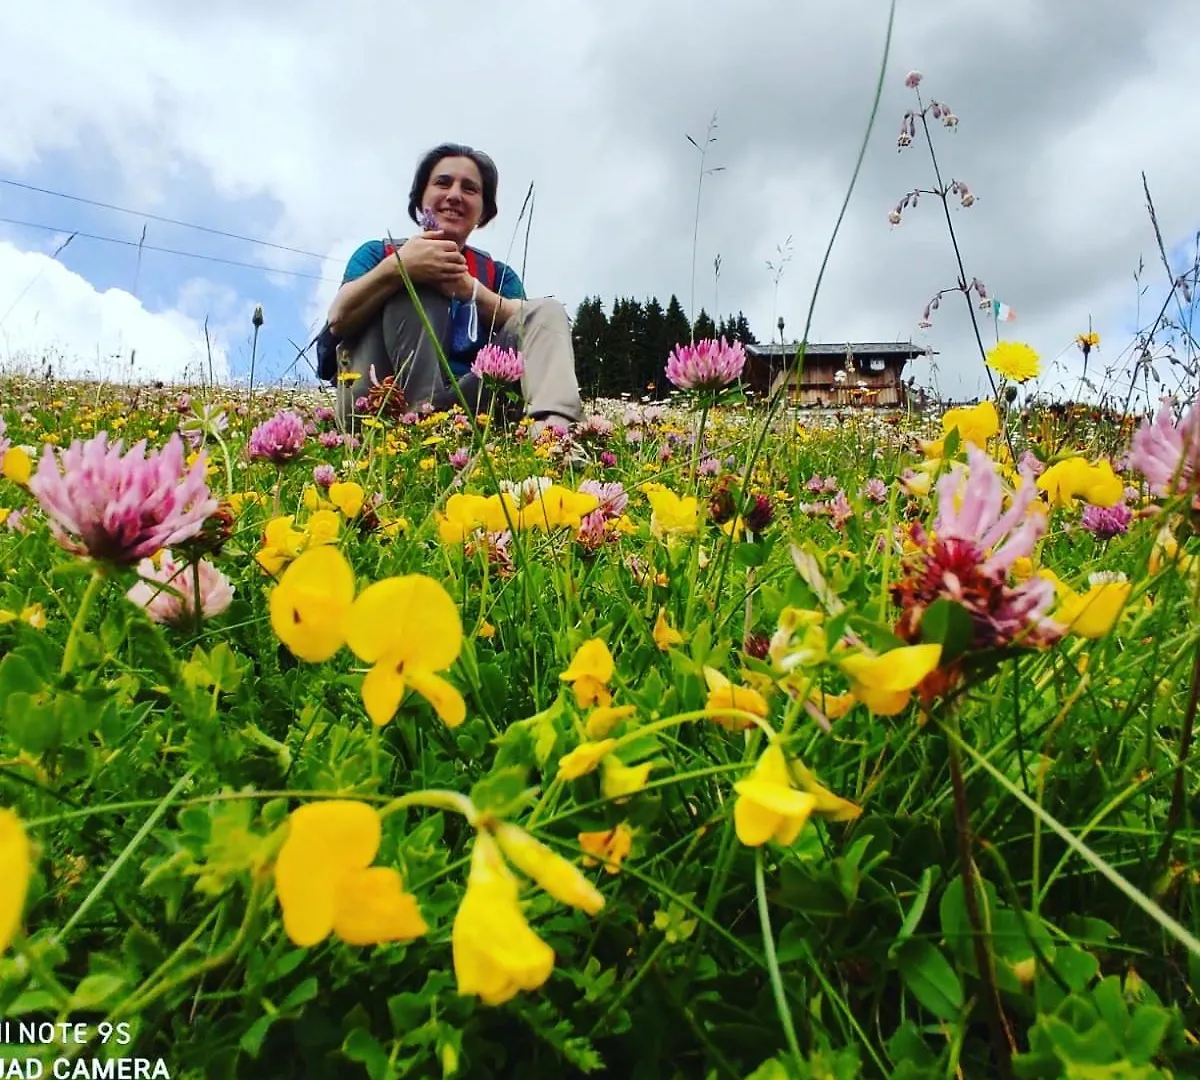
column 478, row 261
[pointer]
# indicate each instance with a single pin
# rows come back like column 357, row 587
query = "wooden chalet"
column 834, row 375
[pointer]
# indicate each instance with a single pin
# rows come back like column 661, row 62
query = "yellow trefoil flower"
column 326, row 883
column 549, row 870
column 348, row 497
column 619, row 781
column 601, row 720
column 583, row 759
column 885, row 683
column 409, row 629
column 590, row 670
column 16, row 870
column 1066, row 481
column 768, row 806
column 722, row 694
column 664, row 634
column 1094, row 613
column 17, row 466
column 496, row 954
column 975, row 425
column 671, row 515
column 608, row 846
column 310, row 605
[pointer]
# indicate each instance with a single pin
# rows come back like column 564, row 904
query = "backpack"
column 480, row 265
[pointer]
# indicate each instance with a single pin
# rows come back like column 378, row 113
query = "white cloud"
column 49, row 314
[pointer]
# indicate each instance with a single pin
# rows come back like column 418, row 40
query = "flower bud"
column 912, row 80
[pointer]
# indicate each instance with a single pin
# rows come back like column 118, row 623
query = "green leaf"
column 94, row 992
column 930, row 978
column 503, row 792
column 361, row 1046
column 947, row 623
column 913, row 919
column 749, row 555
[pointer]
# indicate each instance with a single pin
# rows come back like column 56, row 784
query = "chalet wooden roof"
column 904, row 349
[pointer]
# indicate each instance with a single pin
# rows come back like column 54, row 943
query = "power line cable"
column 168, row 251
column 165, row 220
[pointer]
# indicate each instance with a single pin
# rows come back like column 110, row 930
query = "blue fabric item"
column 460, row 351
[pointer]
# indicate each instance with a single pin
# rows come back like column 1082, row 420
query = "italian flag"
column 1002, row 312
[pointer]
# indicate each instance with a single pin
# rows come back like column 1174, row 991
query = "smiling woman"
column 469, row 299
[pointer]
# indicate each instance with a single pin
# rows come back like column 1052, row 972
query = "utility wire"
column 167, row 251
column 166, row 220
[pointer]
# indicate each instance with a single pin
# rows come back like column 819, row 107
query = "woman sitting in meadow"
column 476, row 305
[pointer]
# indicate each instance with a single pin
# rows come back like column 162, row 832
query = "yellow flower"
column 558, row 507
column 1014, row 360
column 1092, row 614
column 325, row 881
column 583, row 759
column 1088, row 341
column 464, row 515
column 17, row 467
column 16, row 869
column 321, row 528
column 590, row 670
column 603, row 719
column 619, row 781
column 1071, row 479
column 347, row 497
column 664, row 634
column 310, row 605
column 409, row 629
column 496, row 954
column 282, row 543
column 33, row 614
column 551, row 871
column 768, row 806
column 239, row 500
column 608, row 846
column 722, row 694
column 885, row 683
column 975, row 425
column 670, row 515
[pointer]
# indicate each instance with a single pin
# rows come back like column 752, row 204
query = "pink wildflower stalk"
column 496, row 365
column 976, row 541
column 278, row 440
column 707, row 365
column 163, row 606
column 120, row 508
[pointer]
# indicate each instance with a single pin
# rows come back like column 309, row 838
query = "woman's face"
column 455, row 195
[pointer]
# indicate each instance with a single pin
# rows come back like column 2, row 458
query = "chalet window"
column 877, row 365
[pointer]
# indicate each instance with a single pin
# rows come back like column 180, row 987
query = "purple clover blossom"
column 278, row 440
column 4, row 443
column 121, row 508
column 710, row 467
column 706, row 366
column 875, row 490
column 427, row 220
column 497, row 365
column 460, row 457
column 1105, row 522
column 324, row 475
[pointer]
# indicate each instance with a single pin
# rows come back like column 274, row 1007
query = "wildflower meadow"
column 701, row 739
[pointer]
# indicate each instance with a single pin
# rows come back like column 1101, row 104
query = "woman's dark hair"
column 487, row 172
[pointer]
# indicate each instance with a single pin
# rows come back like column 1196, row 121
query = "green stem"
column 123, row 858
column 93, row 588
column 435, row 799
column 781, row 1002
column 41, row 972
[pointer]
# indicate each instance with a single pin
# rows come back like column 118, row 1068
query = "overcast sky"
column 300, row 123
